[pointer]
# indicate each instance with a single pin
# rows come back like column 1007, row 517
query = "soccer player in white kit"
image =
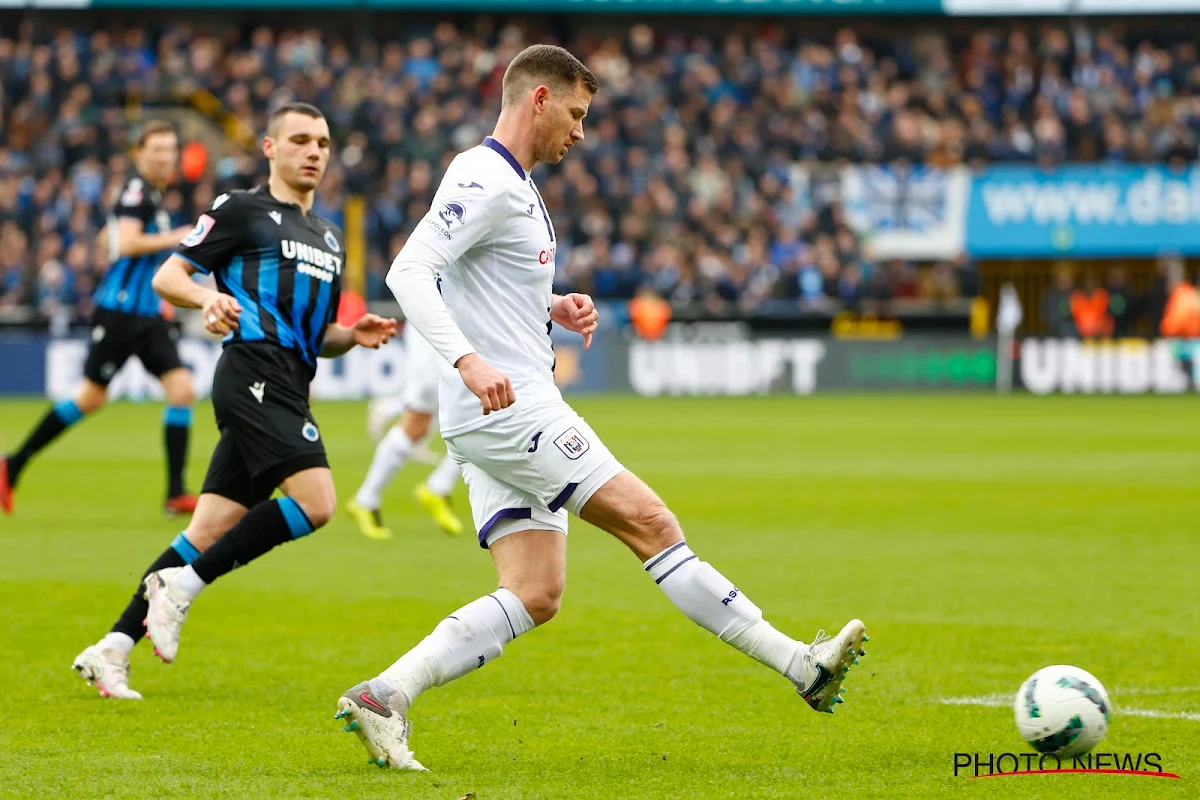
column 475, row 280
column 415, row 406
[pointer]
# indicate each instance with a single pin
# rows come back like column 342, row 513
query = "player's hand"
column 489, row 384
column 180, row 232
column 373, row 331
column 576, row 312
column 221, row 313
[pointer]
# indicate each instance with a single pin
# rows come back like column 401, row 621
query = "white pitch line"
column 1003, row 701
column 1157, row 690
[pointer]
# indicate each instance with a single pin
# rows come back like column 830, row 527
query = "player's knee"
column 319, row 512
column 416, row 424
column 319, row 507
column 541, row 600
column 181, row 392
column 91, row 397
column 654, row 524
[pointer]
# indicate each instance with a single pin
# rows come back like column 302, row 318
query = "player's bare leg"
column 627, row 508
column 531, row 567
column 106, row 664
column 309, row 503
column 180, row 393
column 89, row 397
column 393, row 451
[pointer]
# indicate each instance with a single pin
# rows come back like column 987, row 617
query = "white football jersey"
column 489, row 223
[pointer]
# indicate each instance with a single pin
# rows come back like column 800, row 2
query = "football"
column 1062, row 711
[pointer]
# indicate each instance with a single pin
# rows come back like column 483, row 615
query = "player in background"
column 128, row 321
column 278, row 271
column 416, row 407
column 475, row 279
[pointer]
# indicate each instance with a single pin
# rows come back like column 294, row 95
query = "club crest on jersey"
column 331, row 242
column 452, row 212
column 197, row 234
column 572, row 444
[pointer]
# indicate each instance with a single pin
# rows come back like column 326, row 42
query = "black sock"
column 132, row 621
column 177, row 424
column 265, row 526
column 57, row 420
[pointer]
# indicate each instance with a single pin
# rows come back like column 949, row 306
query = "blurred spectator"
column 1089, row 309
column 709, row 172
column 1182, row 315
column 1060, row 322
column 1120, row 302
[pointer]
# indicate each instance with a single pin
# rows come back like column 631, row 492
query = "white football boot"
column 107, row 670
column 375, row 714
column 825, row 664
column 166, row 615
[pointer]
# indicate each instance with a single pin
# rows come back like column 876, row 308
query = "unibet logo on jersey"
column 312, row 261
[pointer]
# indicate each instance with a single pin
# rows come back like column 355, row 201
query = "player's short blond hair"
column 545, row 64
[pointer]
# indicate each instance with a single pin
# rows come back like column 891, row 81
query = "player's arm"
column 370, row 331
column 208, row 247
column 173, row 282
column 413, row 280
column 575, row 312
column 127, row 236
column 132, row 240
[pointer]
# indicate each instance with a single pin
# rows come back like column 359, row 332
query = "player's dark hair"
column 295, row 107
column 152, row 127
column 548, row 64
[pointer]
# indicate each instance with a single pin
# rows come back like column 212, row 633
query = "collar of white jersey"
column 491, row 143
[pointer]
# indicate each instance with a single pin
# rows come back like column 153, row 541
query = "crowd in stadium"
column 684, row 184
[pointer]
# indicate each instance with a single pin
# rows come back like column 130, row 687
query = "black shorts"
column 117, row 336
column 268, row 434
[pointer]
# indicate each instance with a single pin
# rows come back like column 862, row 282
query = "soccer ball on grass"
column 1062, row 711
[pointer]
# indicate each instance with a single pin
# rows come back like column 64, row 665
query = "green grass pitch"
column 980, row 539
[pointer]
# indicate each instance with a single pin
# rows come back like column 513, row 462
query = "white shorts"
column 422, row 372
column 528, row 470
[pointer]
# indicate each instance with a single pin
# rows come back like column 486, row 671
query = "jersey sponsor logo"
column 310, row 432
column 531, row 209
column 219, row 201
column 258, row 390
column 547, row 256
column 197, row 234
column 132, row 196
column 572, row 444
column 452, row 212
column 331, row 242
column 276, row 216
column 312, row 261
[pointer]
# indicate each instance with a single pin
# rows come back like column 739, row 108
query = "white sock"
column 117, row 641
column 443, row 478
column 712, row 602
column 462, row 642
column 187, row 584
column 390, row 455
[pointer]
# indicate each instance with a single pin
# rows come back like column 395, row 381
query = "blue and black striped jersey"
column 125, row 287
column 282, row 265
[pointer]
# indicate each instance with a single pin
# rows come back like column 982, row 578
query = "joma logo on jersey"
column 547, row 256
column 312, row 261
